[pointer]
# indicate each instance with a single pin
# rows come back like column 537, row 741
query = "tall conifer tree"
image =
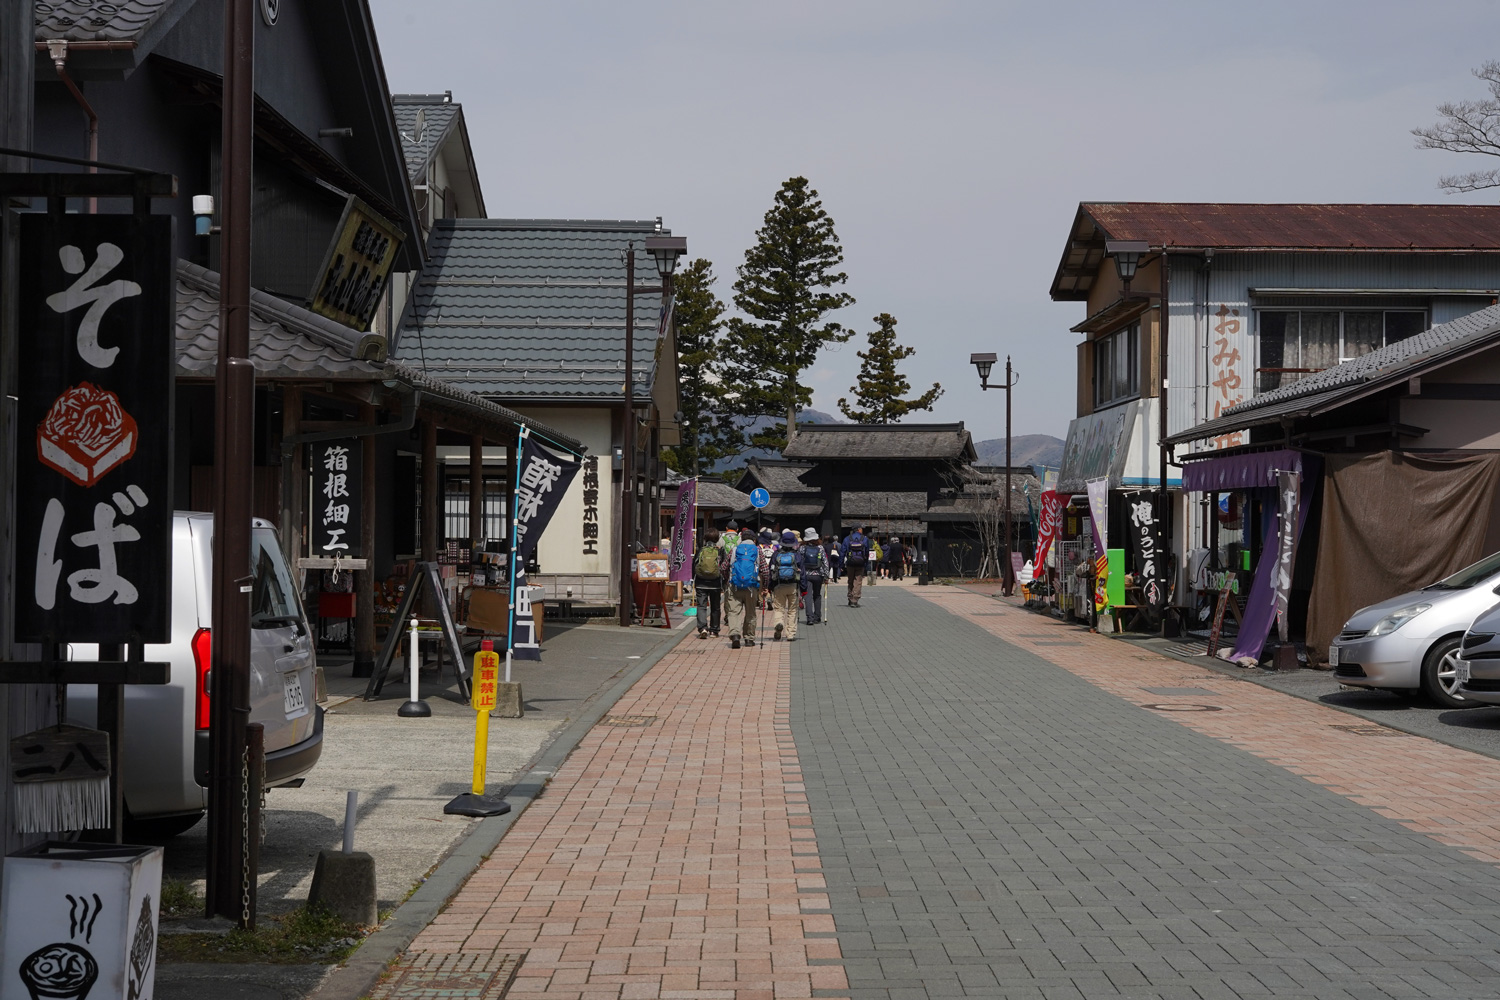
column 709, row 432
column 882, row 388
column 787, row 286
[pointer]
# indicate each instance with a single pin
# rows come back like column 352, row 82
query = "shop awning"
column 1239, row 472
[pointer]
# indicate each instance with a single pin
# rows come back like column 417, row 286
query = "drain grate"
column 1183, row 708
column 627, row 720
column 431, row 975
column 1369, row 730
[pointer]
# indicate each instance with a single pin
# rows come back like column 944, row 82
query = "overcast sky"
column 951, row 142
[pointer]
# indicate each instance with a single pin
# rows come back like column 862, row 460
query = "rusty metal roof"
column 1189, row 226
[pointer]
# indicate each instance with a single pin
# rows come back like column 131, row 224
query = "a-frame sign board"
column 425, row 576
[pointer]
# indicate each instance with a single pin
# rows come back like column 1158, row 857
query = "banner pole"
column 515, row 510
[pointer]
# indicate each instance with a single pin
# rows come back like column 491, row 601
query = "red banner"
column 1052, row 505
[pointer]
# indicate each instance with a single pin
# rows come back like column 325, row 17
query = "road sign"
column 759, row 498
column 486, row 677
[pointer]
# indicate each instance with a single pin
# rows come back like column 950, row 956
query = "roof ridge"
column 595, row 225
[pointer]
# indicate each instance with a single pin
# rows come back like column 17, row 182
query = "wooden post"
column 476, row 491
column 430, row 498
column 364, row 579
column 293, row 477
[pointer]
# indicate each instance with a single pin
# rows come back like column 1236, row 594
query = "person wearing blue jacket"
column 856, row 553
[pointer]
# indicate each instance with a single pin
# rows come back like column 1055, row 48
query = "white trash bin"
column 80, row 922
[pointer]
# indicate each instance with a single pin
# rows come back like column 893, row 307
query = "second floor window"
column 1295, row 342
column 1117, row 366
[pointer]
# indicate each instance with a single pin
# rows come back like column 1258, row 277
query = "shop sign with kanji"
column 337, row 468
column 542, row 479
column 94, row 464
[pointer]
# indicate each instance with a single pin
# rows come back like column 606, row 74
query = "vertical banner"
column 682, row 531
column 1047, row 524
column 1099, row 517
column 94, row 459
column 1144, row 540
column 1288, row 492
column 542, row 477
column 337, row 468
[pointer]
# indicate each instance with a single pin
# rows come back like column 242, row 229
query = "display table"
column 489, row 609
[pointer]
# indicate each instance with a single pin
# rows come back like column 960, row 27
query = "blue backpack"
column 857, row 549
column 786, row 566
column 744, row 572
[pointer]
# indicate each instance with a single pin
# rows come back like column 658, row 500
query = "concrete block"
column 345, row 885
column 508, row 701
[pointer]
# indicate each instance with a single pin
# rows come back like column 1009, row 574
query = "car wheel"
column 1440, row 676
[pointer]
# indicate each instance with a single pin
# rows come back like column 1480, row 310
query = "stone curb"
column 359, row 975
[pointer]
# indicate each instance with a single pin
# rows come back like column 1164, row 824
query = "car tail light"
column 202, row 660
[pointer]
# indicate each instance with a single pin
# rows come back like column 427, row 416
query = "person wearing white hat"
column 815, row 573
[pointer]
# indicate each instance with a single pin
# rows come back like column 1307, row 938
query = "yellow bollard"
column 485, row 682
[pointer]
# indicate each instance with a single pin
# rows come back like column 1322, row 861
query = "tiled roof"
column 887, row 526
column 721, row 496
column 420, row 140
column 286, row 341
column 814, row 442
column 778, row 477
column 1331, row 387
column 861, row 504
column 531, row 309
column 97, row 20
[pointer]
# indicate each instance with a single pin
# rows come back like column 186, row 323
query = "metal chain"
column 263, row 800
column 245, row 836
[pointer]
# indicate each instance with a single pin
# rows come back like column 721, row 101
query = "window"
column 1295, row 342
column 273, row 596
column 1117, row 366
column 456, row 509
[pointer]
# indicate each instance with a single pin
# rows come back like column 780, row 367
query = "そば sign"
column 96, row 359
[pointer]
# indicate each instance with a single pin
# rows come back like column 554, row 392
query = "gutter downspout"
column 1164, row 507
column 57, row 48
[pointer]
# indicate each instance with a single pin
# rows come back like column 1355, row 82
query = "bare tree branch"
column 1468, row 127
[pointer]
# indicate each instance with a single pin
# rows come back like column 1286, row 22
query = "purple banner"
column 682, row 531
column 1239, row 472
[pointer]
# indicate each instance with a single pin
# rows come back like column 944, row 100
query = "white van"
column 165, row 745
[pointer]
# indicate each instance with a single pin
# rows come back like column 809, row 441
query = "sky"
column 951, row 142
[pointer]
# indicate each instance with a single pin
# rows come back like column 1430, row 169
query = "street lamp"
column 665, row 250
column 984, row 363
column 1127, row 255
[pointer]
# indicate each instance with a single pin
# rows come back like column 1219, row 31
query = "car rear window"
column 273, row 598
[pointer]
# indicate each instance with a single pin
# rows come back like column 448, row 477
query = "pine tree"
column 709, row 432
column 786, row 287
column 881, row 387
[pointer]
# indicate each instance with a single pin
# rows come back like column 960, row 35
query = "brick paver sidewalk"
column 672, row 856
column 995, row 821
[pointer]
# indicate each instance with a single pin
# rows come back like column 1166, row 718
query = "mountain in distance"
column 1025, row 449
column 753, row 425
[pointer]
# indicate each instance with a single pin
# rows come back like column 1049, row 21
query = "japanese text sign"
column 542, row 477
column 94, row 463
column 357, row 267
column 337, row 468
column 486, row 681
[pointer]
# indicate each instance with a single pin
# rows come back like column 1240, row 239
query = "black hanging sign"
column 1144, row 539
column 337, row 474
column 542, row 477
column 94, row 459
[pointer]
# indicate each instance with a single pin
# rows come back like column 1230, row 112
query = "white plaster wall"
column 560, row 551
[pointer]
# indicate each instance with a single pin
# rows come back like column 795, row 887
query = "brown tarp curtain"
column 1394, row 522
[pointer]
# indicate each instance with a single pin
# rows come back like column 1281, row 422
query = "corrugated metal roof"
column 1268, row 227
column 531, row 309
column 97, row 20
column 421, row 139
column 1323, row 390
column 819, row 442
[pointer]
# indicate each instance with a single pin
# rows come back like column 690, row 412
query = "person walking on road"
column 708, row 581
column 784, row 573
column 746, row 569
column 855, row 554
column 730, row 538
column 895, row 559
column 835, row 561
column 872, row 565
column 767, row 550
column 815, row 572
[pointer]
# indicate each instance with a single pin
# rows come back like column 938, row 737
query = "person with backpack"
column 815, row 572
column 784, row 577
column 730, row 538
column 767, row 550
column 872, row 566
column 746, row 569
column 855, row 553
column 835, row 561
column 708, row 581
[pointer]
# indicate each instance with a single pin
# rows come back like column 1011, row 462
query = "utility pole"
column 1007, row 573
column 231, row 869
column 627, row 446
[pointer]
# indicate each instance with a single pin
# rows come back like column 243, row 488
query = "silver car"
column 1410, row 643
column 165, row 743
column 1479, row 663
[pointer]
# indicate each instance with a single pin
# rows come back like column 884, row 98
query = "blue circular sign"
column 759, row 498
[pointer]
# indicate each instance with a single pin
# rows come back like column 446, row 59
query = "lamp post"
column 983, row 363
column 665, row 250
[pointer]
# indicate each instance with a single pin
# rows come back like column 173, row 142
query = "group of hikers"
column 739, row 573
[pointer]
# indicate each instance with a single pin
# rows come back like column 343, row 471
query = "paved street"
column 942, row 795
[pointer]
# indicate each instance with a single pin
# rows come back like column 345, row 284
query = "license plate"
column 296, row 704
column 1333, row 656
column 1461, row 671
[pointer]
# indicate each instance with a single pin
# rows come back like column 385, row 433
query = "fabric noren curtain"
column 1396, row 522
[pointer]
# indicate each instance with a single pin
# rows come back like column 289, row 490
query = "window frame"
column 1279, row 379
column 1107, row 347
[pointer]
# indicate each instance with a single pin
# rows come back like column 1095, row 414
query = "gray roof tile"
column 97, row 20
column 531, row 309
column 419, row 141
column 881, row 441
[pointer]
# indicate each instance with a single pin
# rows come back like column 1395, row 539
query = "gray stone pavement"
column 992, row 825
